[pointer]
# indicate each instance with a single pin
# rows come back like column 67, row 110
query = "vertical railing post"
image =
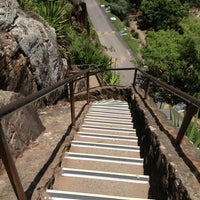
column 10, row 167
column 71, row 86
column 186, row 121
column 146, row 95
column 88, row 87
column 134, row 79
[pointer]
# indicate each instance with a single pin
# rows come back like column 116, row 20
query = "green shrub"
column 193, row 132
column 134, row 34
column 127, row 22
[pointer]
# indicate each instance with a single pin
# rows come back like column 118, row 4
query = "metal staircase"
column 104, row 160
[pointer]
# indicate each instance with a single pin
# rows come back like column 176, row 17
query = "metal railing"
column 5, row 154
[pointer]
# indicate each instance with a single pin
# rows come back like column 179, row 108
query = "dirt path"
column 142, row 34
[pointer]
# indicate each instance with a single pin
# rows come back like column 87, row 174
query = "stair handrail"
column 5, row 153
column 194, row 103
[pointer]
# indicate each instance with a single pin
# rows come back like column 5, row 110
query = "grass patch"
column 117, row 23
column 133, row 44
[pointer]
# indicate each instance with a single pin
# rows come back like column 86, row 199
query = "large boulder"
column 29, row 55
column 22, row 127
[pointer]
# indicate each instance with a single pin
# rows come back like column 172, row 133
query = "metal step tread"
column 110, row 151
column 108, row 128
column 61, row 195
column 102, row 175
column 119, row 123
column 109, row 118
column 108, row 136
column 105, row 145
column 105, row 158
column 108, row 111
column 110, row 107
column 110, row 102
column 110, row 115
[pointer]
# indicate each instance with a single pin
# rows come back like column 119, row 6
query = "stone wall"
column 172, row 176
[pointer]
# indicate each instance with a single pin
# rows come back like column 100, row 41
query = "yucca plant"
column 53, row 12
column 192, row 132
column 26, row 3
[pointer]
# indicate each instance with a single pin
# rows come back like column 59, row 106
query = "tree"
column 163, row 14
column 175, row 58
column 190, row 52
column 119, row 8
column 161, row 54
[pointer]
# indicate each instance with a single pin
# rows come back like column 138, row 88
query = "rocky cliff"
column 29, row 61
column 29, row 56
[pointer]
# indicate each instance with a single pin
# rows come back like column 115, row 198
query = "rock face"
column 20, row 128
column 29, row 56
column 29, row 61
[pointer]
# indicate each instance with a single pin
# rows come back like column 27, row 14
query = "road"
column 109, row 37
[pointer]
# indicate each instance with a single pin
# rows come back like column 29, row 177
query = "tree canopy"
column 163, row 14
column 175, row 57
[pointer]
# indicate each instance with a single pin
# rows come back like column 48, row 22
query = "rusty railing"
column 5, row 154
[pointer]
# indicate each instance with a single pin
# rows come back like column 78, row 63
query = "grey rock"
column 35, row 42
column 8, row 13
column 22, row 127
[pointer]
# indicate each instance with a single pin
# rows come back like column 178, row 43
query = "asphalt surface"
column 111, row 38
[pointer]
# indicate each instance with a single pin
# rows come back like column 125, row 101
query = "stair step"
column 121, row 177
column 105, row 146
column 110, row 107
column 110, row 102
column 104, row 158
column 105, row 140
column 103, row 183
column 115, row 116
column 108, row 128
column 119, row 123
column 61, row 195
column 109, row 118
column 126, row 113
column 105, row 151
column 102, row 165
column 131, row 138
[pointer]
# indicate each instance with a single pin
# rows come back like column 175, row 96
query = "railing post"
column 134, row 79
column 186, row 121
column 88, row 87
column 10, row 166
column 71, row 86
column 147, row 89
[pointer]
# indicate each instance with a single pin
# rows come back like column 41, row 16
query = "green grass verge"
column 133, row 44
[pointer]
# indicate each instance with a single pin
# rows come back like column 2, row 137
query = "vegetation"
column 76, row 46
column 163, row 14
column 119, row 8
column 193, row 133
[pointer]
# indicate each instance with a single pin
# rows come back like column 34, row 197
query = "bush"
column 134, row 34
column 120, row 8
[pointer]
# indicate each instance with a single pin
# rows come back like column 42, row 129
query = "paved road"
column 110, row 38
